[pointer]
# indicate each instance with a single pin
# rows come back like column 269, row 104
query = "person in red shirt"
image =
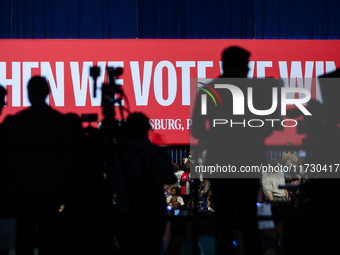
column 185, row 182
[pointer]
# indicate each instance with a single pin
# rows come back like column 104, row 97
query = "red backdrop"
column 156, row 74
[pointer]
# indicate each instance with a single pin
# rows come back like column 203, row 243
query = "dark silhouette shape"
column 139, row 166
column 5, row 203
column 235, row 62
column 238, row 145
column 6, row 209
column 2, row 98
column 136, row 126
column 38, row 170
column 86, row 226
column 317, row 200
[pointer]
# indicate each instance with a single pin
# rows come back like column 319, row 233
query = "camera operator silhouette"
column 137, row 166
column 235, row 145
column 38, row 170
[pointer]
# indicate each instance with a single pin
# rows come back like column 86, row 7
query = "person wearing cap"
column 271, row 181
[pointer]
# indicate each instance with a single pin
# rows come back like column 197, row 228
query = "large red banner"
column 156, row 76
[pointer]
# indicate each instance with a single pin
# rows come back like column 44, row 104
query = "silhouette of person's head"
column 137, row 126
column 2, row 97
column 38, row 90
column 235, row 62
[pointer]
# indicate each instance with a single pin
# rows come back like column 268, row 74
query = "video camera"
column 112, row 95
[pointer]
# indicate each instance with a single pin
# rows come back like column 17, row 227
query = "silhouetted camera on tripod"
column 112, row 95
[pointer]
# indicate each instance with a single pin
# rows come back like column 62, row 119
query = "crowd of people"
column 181, row 194
column 177, row 194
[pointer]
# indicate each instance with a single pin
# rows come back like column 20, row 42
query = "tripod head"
column 112, row 95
